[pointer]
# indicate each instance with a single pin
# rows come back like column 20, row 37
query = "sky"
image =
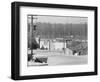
column 60, row 19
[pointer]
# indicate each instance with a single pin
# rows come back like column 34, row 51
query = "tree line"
column 48, row 30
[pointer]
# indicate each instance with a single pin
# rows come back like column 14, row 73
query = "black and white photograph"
column 57, row 40
column 53, row 40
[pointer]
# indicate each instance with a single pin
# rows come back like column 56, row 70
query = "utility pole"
column 32, row 32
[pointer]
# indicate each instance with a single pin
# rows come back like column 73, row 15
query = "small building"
column 52, row 44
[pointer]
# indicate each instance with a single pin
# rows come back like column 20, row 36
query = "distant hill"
column 59, row 30
column 48, row 30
